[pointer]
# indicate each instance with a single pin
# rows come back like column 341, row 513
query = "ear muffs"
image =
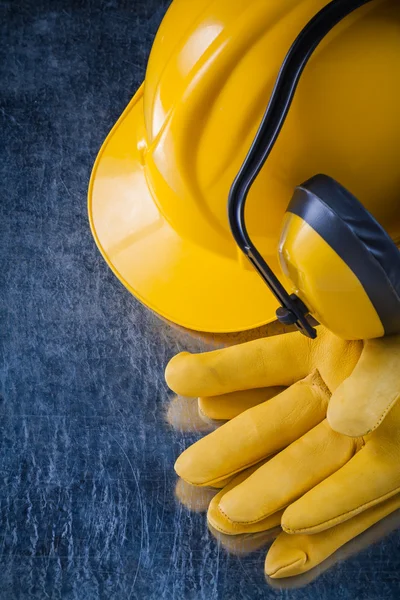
column 358, row 239
column 343, row 267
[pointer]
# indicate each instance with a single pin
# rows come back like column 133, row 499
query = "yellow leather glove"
column 292, row 555
column 295, row 554
column 333, row 480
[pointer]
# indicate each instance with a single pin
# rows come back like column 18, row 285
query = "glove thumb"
column 363, row 400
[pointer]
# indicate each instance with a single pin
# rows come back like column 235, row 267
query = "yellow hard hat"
column 159, row 189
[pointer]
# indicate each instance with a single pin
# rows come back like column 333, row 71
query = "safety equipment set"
column 325, row 409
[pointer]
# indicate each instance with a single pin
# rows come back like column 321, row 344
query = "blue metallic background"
column 88, row 429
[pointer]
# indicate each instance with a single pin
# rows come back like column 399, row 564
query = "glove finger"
column 277, row 361
column 221, row 523
column 369, row 478
column 255, row 434
column 295, row 554
column 287, row 476
column 228, row 406
column 364, row 399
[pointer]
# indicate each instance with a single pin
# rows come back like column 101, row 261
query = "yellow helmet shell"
column 159, row 187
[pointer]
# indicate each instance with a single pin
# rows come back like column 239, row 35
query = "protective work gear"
column 328, row 231
column 292, row 555
column 319, row 552
column 302, row 552
column 295, row 554
column 319, row 475
column 159, row 189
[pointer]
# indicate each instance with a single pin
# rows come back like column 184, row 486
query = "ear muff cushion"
column 358, row 238
column 361, row 222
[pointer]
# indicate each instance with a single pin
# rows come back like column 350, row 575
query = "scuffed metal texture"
column 88, row 506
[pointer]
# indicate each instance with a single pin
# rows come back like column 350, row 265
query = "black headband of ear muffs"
column 292, row 309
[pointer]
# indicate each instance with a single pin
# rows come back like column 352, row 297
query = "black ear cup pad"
column 356, row 236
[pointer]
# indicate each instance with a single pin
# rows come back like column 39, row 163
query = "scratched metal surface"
column 89, row 504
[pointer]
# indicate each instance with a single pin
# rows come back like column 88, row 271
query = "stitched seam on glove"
column 227, row 532
column 317, row 381
column 265, row 516
column 385, row 412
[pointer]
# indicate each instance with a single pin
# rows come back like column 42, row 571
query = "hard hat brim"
column 173, row 276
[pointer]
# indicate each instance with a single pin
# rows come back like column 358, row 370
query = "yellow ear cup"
column 325, row 283
column 341, row 262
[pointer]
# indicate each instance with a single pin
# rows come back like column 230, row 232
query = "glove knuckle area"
column 255, row 434
column 334, row 358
